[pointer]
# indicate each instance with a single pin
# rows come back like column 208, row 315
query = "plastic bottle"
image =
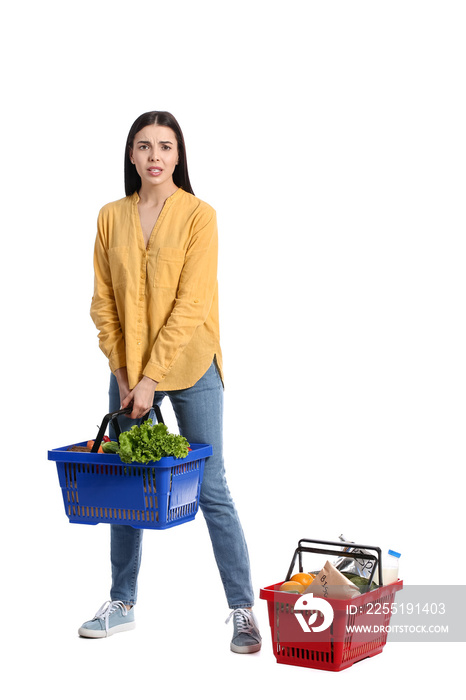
column 390, row 564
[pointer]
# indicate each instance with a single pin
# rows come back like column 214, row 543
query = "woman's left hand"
column 142, row 397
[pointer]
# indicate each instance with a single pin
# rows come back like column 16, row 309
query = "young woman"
column 155, row 305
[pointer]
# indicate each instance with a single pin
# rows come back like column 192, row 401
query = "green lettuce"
column 148, row 443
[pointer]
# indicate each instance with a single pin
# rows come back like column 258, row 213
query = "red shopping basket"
column 358, row 627
column 100, row 488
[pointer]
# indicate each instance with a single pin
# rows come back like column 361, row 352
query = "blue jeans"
column 199, row 413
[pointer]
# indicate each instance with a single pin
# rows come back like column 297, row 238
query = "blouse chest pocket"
column 118, row 262
column 168, row 267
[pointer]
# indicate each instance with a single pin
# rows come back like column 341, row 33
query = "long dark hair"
column 180, row 175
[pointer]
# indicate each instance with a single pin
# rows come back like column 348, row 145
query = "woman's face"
column 155, row 155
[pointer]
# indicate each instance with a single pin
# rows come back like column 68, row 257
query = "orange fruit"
column 303, row 578
column 292, row 587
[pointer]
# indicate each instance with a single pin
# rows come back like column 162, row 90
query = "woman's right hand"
column 141, row 398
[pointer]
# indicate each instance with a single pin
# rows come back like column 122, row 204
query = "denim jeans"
column 199, row 413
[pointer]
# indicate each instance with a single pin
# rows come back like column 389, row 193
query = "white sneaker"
column 112, row 617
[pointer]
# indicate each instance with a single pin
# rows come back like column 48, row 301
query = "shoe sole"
column 99, row 634
column 246, row 649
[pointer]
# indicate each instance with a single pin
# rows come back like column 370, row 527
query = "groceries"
column 298, row 583
column 353, row 573
column 142, row 443
column 331, row 583
column 390, row 565
column 361, row 582
column 360, row 566
column 328, row 583
column 303, row 578
column 148, row 443
column 110, row 447
column 292, row 587
column 365, row 567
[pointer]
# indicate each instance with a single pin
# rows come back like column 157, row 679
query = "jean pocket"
column 168, row 268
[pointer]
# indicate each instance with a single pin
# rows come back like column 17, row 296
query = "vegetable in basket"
column 110, row 447
column 360, row 581
column 148, row 443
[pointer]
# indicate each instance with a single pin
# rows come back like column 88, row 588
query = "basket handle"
column 323, row 549
column 113, row 418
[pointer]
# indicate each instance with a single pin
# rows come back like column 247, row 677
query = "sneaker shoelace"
column 109, row 607
column 243, row 619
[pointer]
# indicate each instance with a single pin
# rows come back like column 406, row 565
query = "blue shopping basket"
column 100, row 488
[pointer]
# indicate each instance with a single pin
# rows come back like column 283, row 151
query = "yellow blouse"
column 156, row 308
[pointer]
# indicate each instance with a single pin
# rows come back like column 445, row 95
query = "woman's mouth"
column 154, row 171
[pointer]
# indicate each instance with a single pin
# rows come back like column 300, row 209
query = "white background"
column 329, row 137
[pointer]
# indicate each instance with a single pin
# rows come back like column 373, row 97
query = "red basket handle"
column 324, row 550
column 113, row 418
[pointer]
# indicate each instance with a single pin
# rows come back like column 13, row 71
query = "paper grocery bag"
column 330, row 583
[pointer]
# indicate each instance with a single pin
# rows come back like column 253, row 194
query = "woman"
column 155, row 305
